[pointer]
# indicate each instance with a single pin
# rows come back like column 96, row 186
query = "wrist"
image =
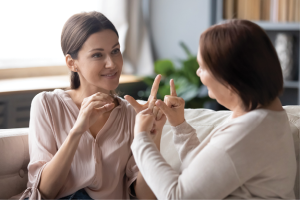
column 138, row 132
column 75, row 132
column 177, row 123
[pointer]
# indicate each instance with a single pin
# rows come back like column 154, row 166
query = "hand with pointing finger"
column 172, row 107
column 139, row 107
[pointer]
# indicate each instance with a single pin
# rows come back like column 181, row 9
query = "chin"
column 212, row 96
column 109, row 84
column 113, row 86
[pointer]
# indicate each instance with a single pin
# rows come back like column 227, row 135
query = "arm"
column 185, row 139
column 141, row 188
column 211, row 175
column 56, row 171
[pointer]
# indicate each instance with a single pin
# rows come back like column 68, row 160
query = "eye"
column 97, row 55
column 115, row 51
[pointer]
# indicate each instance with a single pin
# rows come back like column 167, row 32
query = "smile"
column 110, row 75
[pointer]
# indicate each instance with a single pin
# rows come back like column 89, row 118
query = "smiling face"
column 100, row 62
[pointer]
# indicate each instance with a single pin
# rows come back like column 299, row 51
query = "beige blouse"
column 249, row 157
column 104, row 166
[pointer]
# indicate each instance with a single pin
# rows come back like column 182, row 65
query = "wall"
column 172, row 21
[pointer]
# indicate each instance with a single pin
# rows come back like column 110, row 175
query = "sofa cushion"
column 14, row 159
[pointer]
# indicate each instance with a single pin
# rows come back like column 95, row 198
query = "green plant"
column 187, row 83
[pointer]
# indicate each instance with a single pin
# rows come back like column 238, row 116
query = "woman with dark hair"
column 79, row 139
column 252, row 154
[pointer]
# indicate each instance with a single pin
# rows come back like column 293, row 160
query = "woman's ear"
column 71, row 63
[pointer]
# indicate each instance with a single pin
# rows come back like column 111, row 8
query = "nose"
column 110, row 64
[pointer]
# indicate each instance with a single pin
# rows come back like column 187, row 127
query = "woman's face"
column 216, row 90
column 100, row 61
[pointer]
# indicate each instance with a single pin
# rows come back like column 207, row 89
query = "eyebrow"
column 100, row 49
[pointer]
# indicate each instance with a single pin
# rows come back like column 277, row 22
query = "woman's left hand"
column 152, row 121
column 144, row 121
column 139, row 107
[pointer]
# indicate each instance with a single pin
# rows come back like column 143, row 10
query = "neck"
column 275, row 105
column 82, row 92
column 238, row 110
column 86, row 91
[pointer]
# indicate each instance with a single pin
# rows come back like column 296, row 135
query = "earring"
column 76, row 69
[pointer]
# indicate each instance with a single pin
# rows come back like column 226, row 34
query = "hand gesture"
column 158, row 125
column 144, row 121
column 91, row 108
column 172, row 107
column 139, row 107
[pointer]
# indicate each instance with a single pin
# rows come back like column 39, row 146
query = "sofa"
column 14, row 156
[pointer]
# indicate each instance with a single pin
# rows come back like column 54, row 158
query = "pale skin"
column 99, row 65
column 173, row 106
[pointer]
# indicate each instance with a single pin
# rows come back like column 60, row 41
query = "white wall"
column 172, row 21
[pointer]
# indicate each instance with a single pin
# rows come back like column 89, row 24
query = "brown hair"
column 77, row 30
column 240, row 54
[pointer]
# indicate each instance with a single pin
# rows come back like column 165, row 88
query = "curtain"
column 127, row 16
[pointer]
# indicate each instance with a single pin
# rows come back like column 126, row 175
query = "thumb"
column 105, row 108
column 134, row 103
column 163, row 107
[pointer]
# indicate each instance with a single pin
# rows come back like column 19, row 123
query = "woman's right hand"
column 91, row 108
column 172, row 107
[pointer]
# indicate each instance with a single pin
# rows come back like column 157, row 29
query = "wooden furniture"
column 16, row 95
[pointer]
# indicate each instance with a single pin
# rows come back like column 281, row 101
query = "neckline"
column 73, row 107
column 68, row 98
column 230, row 119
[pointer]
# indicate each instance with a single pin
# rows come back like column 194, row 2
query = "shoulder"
column 254, row 120
column 253, row 129
column 46, row 99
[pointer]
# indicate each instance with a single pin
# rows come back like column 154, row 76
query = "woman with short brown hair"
column 252, row 154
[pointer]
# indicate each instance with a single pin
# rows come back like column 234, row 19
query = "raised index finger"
column 172, row 88
column 155, row 87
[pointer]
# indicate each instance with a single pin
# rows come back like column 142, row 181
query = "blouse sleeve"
column 185, row 140
column 131, row 168
column 211, row 175
column 131, row 173
column 42, row 143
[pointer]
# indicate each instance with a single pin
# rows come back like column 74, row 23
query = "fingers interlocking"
column 172, row 106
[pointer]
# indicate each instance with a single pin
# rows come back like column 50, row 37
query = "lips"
column 110, row 74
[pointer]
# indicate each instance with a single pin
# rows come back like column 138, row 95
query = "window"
column 31, row 30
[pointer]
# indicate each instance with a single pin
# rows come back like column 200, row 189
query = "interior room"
column 154, row 37
column 150, row 32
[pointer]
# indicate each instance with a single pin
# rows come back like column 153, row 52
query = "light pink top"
column 104, row 166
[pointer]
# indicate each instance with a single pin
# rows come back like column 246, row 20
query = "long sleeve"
column 185, row 139
column 211, row 175
column 42, row 145
column 131, row 172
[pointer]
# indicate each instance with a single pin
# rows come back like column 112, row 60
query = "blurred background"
column 156, row 36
